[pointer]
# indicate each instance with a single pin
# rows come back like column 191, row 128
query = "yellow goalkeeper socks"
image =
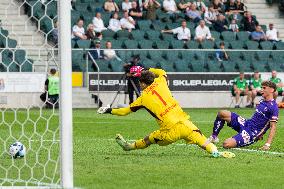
column 140, row 144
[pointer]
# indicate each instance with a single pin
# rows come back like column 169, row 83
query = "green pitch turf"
column 100, row 163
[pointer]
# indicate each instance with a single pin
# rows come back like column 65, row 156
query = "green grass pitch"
column 100, row 163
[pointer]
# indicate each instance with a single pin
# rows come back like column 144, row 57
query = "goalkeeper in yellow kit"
column 174, row 123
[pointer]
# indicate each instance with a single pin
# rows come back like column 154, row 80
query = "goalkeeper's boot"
column 213, row 139
column 224, row 154
column 122, row 142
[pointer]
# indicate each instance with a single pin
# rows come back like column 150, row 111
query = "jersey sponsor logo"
column 168, row 110
column 151, row 87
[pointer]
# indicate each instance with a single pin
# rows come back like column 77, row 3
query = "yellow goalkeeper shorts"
column 185, row 130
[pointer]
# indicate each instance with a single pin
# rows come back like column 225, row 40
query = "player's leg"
column 244, row 138
column 222, row 117
column 138, row 144
column 253, row 95
column 237, row 97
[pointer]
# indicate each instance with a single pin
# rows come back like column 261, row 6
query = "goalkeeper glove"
column 104, row 110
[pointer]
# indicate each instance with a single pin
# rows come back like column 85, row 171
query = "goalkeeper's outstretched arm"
column 114, row 111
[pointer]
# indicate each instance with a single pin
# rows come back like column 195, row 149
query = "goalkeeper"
column 174, row 123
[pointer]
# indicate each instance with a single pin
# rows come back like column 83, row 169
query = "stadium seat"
column 108, row 34
column 116, row 65
column 168, row 66
column 261, row 66
column 228, row 36
column 244, row 66
column 229, row 66
column 237, row 44
column 149, row 63
column 193, row 45
column 279, row 45
column 173, row 55
column 197, row 65
column 263, row 55
column 168, row 37
column 182, row 66
column 188, row 55
column 251, row 45
column 130, row 44
column 51, row 9
column 200, row 55
column 102, row 64
column 12, row 43
column 214, row 66
column 77, row 60
column 158, row 26
column 156, row 55
column 234, row 55
column 46, row 24
column 243, row 36
column 84, row 44
column 207, row 44
column 177, row 44
column 162, row 44
column 266, row 45
column 20, row 56
column 122, row 34
column 153, row 35
column 26, row 66
column 146, row 44
column 215, row 35
column 144, row 25
column 138, row 35
column 116, row 44
column 248, row 55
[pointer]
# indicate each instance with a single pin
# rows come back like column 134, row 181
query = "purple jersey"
column 265, row 112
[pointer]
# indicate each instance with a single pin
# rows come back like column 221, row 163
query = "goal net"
column 28, row 51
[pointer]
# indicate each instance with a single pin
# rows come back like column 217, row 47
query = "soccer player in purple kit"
column 250, row 130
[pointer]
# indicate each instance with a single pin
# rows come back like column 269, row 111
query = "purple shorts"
column 245, row 135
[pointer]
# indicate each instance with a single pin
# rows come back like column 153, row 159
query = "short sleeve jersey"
column 276, row 80
column 241, row 84
column 256, row 83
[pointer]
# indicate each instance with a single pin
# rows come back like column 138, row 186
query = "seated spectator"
column 249, row 22
column 54, row 33
column 111, row 6
column 235, row 15
column 135, row 12
column 200, row 6
column 193, row 13
column 221, row 23
column 98, row 23
column 234, row 26
column 210, row 15
column 240, row 87
column 279, row 84
column 97, row 52
column 184, row 4
column 230, row 7
column 170, row 6
column 126, row 5
column 127, row 22
column 202, row 32
column 90, row 33
column 272, row 33
column 183, row 33
column 258, row 34
column 240, row 7
column 221, row 54
column 114, row 23
column 218, row 6
column 151, row 6
column 78, row 31
column 254, row 88
column 109, row 53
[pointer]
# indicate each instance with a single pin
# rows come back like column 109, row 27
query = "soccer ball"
column 17, row 149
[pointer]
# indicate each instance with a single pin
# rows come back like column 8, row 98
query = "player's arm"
column 271, row 135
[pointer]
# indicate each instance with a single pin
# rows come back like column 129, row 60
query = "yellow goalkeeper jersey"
column 158, row 101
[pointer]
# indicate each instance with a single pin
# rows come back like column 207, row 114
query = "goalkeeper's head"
column 146, row 79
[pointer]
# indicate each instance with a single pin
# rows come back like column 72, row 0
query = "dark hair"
column 53, row 71
column 222, row 43
column 147, row 77
column 269, row 84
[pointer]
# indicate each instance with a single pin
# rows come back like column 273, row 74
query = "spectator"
column 279, row 84
column 221, row 54
column 78, row 31
column 90, row 33
column 249, row 22
column 170, row 6
column 127, row 22
column 114, row 23
column 230, row 7
column 135, row 12
column 210, row 15
column 109, row 53
column 54, row 33
column 235, row 15
column 240, row 87
column 255, row 88
column 218, row 6
column 126, row 5
column 240, row 6
column 272, row 33
column 51, row 95
column 234, row 26
column 97, row 52
column 183, row 33
column 193, row 13
column 98, row 23
column 258, row 34
column 151, row 6
column 200, row 6
column 111, row 6
column 184, row 4
column 202, row 32
column 221, row 23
